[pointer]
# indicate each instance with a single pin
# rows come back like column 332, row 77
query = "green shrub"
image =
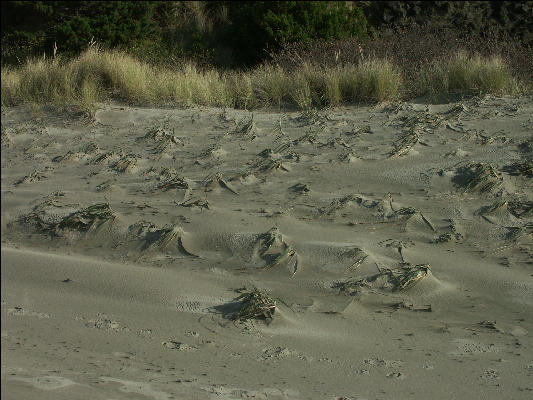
column 260, row 25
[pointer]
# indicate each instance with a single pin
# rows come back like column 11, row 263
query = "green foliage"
column 32, row 28
column 475, row 17
column 258, row 25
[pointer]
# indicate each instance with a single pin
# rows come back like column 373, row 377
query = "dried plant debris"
column 125, row 163
column 86, row 219
column 273, row 165
column 494, row 207
column 266, row 153
column 521, row 209
column 457, row 111
column 276, row 251
column 517, row 233
column 300, row 188
column 481, row 176
column 195, row 202
column 357, row 255
column 104, row 157
column 283, row 147
column 520, row 168
column 395, row 280
column 490, row 325
column 526, row 146
column 406, row 142
column 159, row 134
column 310, row 137
column 411, row 307
column 255, row 304
column 170, row 179
column 31, row 177
column 90, row 148
column 218, row 180
column 247, row 128
column 69, row 156
column 161, row 239
column 517, row 208
column 312, row 117
column 224, row 117
column 338, row 204
column 105, row 186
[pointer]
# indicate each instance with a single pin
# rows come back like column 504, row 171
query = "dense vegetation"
column 255, row 54
column 235, row 34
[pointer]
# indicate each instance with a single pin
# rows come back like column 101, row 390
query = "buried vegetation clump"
column 85, row 219
column 482, row 177
column 255, row 304
column 395, row 280
column 525, row 168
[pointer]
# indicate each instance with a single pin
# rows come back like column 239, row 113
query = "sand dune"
column 396, row 242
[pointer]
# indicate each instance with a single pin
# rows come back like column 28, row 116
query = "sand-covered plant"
column 521, row 168
column 394, row 280
column 480, row 176
column 255, row 304
column 85, row 219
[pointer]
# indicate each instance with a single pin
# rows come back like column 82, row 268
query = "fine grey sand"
column 395, row 240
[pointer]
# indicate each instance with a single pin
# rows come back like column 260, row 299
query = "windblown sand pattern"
column 376, row 252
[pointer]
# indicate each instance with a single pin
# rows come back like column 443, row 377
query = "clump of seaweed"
column 86, row 219
column 395, row 280
column 481, row 176
column 255, row 304
column 520, row 168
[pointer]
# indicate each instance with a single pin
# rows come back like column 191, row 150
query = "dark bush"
column 30, row 28
column 258, row 25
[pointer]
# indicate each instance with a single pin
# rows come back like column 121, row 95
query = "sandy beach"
column 396, row 241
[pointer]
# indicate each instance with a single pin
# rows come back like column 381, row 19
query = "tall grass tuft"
column 97, row 75
column 468, row 75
